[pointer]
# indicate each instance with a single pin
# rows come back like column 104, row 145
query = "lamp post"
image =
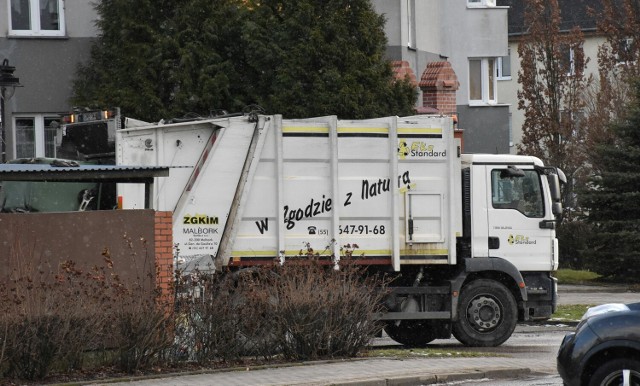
column 6, row 80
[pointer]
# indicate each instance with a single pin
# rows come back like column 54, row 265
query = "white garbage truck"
column 469, row 239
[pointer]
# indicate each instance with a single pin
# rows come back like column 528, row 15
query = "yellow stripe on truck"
column 305, row 129
column 430, row 130
column 363, row 130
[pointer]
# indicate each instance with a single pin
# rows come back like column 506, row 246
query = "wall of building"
column 45, row 66
column 472, row 33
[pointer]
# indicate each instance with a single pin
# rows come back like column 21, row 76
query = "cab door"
column 520, row 219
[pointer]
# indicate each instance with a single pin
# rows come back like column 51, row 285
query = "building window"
column 482, row 81
column 36, row 136
column 481, row 3
column 36, row 18
column 568, row 59
column 625, row 54
column 503, row 67
column 411, row 23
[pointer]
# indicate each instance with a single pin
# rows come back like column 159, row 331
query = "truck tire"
column 487, row 314
column 412, row 333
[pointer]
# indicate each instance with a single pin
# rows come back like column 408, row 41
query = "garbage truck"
column 468, row 238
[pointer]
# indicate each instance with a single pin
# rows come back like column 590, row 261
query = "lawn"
column 570, row 276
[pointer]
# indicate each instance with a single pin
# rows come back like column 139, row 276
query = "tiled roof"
column 573, row 13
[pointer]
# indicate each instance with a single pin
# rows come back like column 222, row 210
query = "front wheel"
column 621, row 371
column 487, row 314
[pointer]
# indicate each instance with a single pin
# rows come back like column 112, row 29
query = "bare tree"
column 552, row 94
column 619, row 22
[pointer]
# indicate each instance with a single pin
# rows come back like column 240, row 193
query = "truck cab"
column 510, row 214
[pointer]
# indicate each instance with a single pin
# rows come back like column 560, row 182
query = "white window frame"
column 487, row 78
column 500, row 66
column 572, row 65
column 39, row 133
column 481, row 3
column 34, row 17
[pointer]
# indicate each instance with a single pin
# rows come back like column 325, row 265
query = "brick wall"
column 163, row 234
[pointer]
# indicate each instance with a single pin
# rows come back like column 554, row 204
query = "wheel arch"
column 492, row 268
column 608, row 351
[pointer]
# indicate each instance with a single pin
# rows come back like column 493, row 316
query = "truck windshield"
column 523, row 194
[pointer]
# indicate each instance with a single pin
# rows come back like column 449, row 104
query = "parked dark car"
column 604, row 349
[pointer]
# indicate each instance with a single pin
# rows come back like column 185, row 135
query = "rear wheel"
column 621, row 371
column 414, row 333
column 487, row 314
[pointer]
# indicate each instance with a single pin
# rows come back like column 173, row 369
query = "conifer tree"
column 324, row 57
column 613, row 200
column 163, row 59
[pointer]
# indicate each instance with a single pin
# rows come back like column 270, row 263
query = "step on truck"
column 469, row 238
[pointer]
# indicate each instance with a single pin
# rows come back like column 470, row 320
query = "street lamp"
column 6, row 80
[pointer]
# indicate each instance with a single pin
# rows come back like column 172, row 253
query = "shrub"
column 47, row 318
column 324, row 313
column 51, row 318
column 302, row 310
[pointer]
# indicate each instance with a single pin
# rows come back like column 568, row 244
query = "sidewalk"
column 368, row 372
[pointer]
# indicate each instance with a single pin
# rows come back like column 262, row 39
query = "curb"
column 431, row 379
column 607, row 288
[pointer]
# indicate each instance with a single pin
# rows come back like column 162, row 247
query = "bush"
column 302, row 310
column 52, row 319
column 47, row 319
column 215, row 317
column 324, row 313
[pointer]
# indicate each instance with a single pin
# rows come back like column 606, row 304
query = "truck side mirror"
column 554, row 187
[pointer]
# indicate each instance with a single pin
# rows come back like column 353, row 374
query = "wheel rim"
column 484, row 313
column 622, row 378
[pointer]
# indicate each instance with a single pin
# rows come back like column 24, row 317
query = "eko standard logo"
column 418, row 149
column 520, row 240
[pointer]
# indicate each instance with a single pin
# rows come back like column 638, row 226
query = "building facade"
column 471, row 35
column 45, row 40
